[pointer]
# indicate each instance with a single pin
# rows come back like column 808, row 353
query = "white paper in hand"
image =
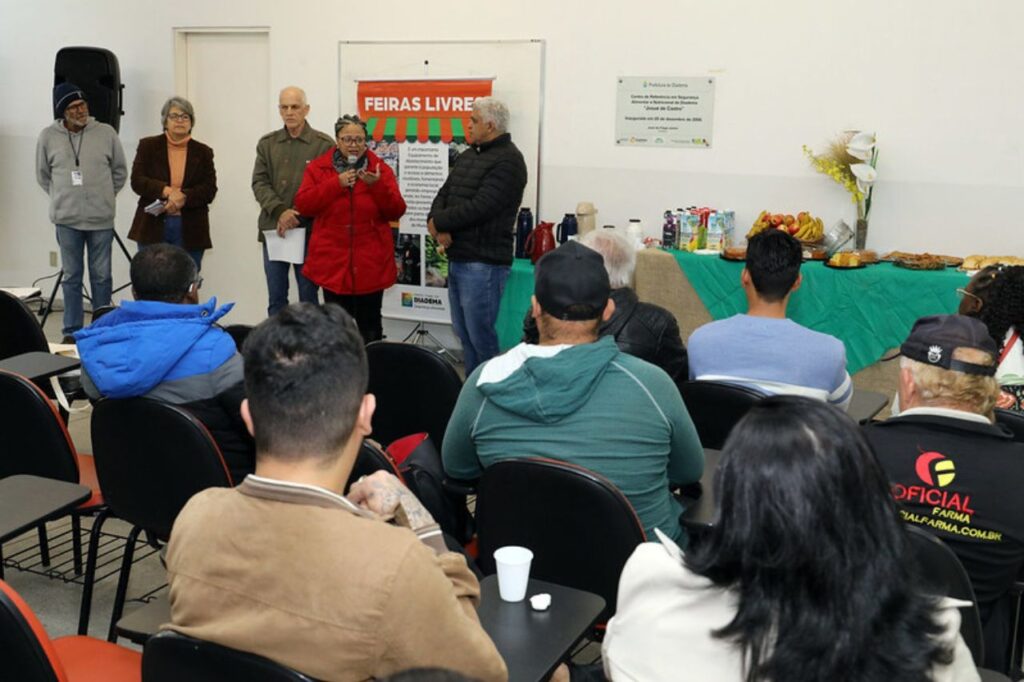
column 291, row 248
column 156, row 208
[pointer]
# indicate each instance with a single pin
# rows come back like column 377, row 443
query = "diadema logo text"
column 934, row 468
column 414, row 300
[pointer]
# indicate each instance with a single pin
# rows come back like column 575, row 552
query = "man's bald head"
column 292, row 105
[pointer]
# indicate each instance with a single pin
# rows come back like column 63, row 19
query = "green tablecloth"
column 514, row 303
column 870, row 309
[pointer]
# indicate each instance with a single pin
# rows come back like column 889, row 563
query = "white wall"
column 939, row 80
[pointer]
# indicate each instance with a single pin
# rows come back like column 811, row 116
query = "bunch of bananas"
column 804, row 226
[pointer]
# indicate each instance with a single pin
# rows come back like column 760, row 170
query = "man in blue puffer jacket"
column 166, row 345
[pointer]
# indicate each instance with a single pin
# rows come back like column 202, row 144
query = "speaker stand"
column 48, row 307
column 420, row 335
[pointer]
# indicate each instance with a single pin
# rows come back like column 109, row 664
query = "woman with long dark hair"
column 806, row 575
column 995, row 295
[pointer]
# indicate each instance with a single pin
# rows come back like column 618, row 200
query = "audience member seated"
column 953, row 471
column 166, row 345
column 577, row 398
column 995, row 295
column 806, row 575
column 645, row 330
column 286, row 567
column 762, row 348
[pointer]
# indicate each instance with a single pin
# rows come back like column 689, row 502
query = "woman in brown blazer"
column 178, row 172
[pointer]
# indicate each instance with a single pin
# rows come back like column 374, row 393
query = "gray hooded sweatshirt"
column 90, row 205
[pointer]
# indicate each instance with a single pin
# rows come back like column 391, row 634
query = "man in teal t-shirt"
column 578, row 399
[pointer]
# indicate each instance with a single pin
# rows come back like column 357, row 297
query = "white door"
column 226, row 76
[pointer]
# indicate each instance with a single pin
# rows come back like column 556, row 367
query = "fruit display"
column 803, row 226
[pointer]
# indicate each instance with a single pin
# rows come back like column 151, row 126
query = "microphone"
column 352, row 160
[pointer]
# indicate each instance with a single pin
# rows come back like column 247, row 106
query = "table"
column 27, row 501
column 532, row 643
column 700, row 512
column 38, row 366
column 871, row 309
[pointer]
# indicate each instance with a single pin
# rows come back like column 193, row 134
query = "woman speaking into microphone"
column 352, row 197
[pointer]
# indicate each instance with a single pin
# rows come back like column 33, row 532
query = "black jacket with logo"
column 479, row 201
column 643, row 330
column 963, row 482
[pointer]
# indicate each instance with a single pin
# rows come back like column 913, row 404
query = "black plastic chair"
column 416, row 390
column 716, row 407
column 173, row 657
column 36, row 442
column 1013, row 421
column 239, row 333
column 151, row 457
column 580, row 527
column 21, row 330
column 371, row 459
column 942, row 573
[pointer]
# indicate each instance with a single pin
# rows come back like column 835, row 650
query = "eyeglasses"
column 963, row 292
column 352, row 140
column 77, row 105
column 179, row 117
column 197, row 283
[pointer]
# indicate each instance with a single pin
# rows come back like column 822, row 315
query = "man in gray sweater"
column 80, row 164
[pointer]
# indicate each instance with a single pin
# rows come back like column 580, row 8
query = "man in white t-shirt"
column 762, row 348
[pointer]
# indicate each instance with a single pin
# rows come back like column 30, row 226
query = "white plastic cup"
column 513, row 571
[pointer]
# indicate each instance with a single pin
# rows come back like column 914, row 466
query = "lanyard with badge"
column 76, row 175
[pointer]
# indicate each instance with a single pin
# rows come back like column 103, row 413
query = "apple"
column 793, row 229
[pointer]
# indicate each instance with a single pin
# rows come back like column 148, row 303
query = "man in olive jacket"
column 281, row 158
column 473, row 218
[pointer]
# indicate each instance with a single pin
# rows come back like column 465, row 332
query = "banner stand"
column 420, row 335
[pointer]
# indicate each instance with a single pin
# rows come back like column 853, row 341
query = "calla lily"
column 860, row 146
column 865, row 174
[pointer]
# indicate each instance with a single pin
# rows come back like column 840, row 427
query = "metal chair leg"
column 90, row 572
column 44, row 545
column 76, row 543
column 122, row 582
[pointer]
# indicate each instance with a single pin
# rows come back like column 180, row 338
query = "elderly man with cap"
column 577, row 398
column 80, row 164
column 953, row 471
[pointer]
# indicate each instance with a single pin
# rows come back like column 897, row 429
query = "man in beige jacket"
column 286, row 567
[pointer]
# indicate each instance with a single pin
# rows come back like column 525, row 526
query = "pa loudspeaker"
column 94, row 70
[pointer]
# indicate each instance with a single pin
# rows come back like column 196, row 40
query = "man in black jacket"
column 954, row 472
column 644, row 330
column 473, row 217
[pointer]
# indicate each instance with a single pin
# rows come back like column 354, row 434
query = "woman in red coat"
column 352, row 197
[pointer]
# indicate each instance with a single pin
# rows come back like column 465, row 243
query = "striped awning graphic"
column 417, row 129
